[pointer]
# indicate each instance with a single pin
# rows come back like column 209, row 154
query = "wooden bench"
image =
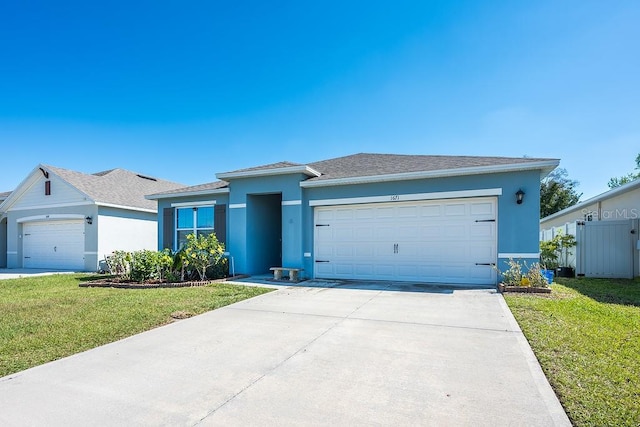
column 293, row 273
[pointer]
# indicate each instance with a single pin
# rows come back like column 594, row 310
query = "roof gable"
column 115, row 187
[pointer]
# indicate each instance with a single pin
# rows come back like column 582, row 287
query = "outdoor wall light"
column 519, row 196
column 90, row 219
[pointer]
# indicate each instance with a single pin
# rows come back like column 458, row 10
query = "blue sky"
column 184, row 89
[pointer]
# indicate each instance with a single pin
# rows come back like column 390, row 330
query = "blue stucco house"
column 440, row 219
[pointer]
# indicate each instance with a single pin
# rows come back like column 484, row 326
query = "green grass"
column 49, row 317
column 586, row 336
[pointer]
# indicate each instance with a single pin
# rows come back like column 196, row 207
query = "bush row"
column 201, row 258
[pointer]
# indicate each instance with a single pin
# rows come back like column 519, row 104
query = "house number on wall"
column 395, row 198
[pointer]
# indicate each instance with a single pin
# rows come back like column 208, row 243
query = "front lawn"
column 586, row 336
column 49, row 317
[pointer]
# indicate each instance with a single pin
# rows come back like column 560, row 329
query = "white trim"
column 307, row 254
column 129, row 208
column 194, row 204
column 237, row 206
column 50, row 217
column 59, row 205
column 187, row 193
column 304, row 169
column 291, row 202
column 12, row 252
column 91, row 253
column 408, row 197
column 519, row 255
column 545, row 166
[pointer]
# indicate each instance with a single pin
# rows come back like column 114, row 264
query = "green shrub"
column 149, row 265
column 200, row 258
column 557, row 248
column 204, row 255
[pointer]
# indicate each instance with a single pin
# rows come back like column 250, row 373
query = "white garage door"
column 53, row 244
column 439, row 241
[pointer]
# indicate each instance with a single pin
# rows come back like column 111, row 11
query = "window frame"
column 194, row 229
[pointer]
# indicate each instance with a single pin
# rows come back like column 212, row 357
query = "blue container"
column 549, row 275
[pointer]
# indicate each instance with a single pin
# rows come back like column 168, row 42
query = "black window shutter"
column 167, row 228
column 220, row 223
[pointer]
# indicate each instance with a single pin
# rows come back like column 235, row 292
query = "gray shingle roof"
column 116, row 186
column 217, row 185
column 368, row 164
column 277, row 165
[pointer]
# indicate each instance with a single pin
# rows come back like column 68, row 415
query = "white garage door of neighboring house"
column 53, row 244
column 438, row 241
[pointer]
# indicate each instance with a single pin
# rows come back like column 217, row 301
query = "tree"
column 618, row 181
column 557, row 192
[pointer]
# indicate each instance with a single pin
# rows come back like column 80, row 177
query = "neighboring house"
column 3, row 232
column 368, row 216
column 606, row 228
column 62, row 219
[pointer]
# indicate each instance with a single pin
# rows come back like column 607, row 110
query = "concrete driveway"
column 326, row 355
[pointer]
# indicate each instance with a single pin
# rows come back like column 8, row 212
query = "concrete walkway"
column 304, row 356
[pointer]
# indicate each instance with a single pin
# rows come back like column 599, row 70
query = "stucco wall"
column 288, row 186
column 124, row 230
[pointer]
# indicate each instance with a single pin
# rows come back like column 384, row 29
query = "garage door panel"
column 408, row 212
column 458, row 209
column 364, row 251
column 408, row 232
column 385, row 213
column 364, row 270
column 363, row 233
column 455, row 231
column 482, row 209
column 382, row 250
column 344, row 214
column 432, row 241
column 385, row 232
column 344, row 269
column 428, row 232
column 431, row 211
column 362, row 214
column 345, row 251
column 482, row 229
column 385, row 270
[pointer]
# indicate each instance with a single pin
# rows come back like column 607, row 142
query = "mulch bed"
column 114, row 282
column 525, row 289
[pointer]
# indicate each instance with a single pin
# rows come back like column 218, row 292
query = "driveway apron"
column 304, row 356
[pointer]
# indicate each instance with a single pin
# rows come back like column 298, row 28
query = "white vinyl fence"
column 607, row 249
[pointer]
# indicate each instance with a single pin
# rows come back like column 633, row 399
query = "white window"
column 193, row 220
